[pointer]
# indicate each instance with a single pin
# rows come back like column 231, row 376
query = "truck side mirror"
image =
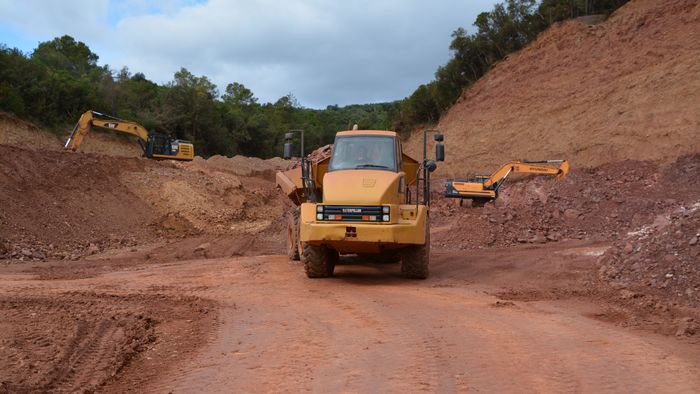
column 439, row 152
column 287, row 150
column 431, row 165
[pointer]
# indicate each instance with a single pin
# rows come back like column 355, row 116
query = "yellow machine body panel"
column 319, row 171
column 410, row 168
column 363, row 187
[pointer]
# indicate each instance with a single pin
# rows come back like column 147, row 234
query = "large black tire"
column 416, row 259
column 293, row 244
column 319, row 261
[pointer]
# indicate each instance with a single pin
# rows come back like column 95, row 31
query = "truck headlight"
column 385, row 209
column 319, row 216
column 319, row 208
column 385, row 218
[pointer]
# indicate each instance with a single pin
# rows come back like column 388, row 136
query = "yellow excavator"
column 154, row 145
column 483, row 189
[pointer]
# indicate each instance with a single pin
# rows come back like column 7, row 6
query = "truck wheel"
column 415, row 260
column 293, row 246
column 319, row 261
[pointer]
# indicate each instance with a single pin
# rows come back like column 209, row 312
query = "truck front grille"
column 351, row 213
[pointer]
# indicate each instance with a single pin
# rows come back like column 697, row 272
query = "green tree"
column 67, row 54
column 238, row 94
column 61, row 79
column 189, row 109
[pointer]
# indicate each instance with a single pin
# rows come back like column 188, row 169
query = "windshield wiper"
column 370, row 166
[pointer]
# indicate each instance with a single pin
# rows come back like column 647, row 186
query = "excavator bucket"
column 563, row 170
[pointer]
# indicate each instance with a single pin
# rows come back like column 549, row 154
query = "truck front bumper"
column 362, row 237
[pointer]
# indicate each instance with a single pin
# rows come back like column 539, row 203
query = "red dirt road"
column 518, row 320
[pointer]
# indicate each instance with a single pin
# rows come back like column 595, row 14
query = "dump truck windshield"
column 368, row 152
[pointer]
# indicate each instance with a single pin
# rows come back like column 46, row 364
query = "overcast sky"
column 324, row 52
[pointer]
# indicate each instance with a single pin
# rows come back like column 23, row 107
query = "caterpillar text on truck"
column 367, row 198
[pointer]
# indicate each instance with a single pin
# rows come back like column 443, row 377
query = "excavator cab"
column 162, row 146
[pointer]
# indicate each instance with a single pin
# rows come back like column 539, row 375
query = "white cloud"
column 39, row 18
column 324, row 52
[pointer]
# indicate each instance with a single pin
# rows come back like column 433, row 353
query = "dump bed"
column 289, row 181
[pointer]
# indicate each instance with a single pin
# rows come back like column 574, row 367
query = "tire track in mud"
column 523, row 350
column 385, row 334
column 75, row 341
column 564, row 353
column 364, row 330
column 398, row 355
column 77, row 349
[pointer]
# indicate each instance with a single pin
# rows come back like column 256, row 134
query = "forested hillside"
column 60, row 79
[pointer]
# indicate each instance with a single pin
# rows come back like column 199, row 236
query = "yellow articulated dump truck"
column 367, row 198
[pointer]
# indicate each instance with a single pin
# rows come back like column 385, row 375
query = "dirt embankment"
column 627, row 88
column 643, row 213
column 602, row 203
column 63, row 205
column 18, row 132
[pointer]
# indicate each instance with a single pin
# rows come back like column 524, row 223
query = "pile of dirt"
column 17, row 132
column 596, row 204
column 240, row 165
column 321, row 153
column 210, row 200
column 315, row 156
column 64, row 205
column 110, row 144
column 624, row 89
column 660, row 258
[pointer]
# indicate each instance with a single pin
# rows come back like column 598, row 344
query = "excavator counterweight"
column 482, row 189
column 154, row 145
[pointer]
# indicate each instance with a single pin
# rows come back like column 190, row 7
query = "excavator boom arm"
column 93, row 119
column 485, row 188
column 559, row 168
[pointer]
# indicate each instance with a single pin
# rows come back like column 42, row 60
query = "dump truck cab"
column 363, row 199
